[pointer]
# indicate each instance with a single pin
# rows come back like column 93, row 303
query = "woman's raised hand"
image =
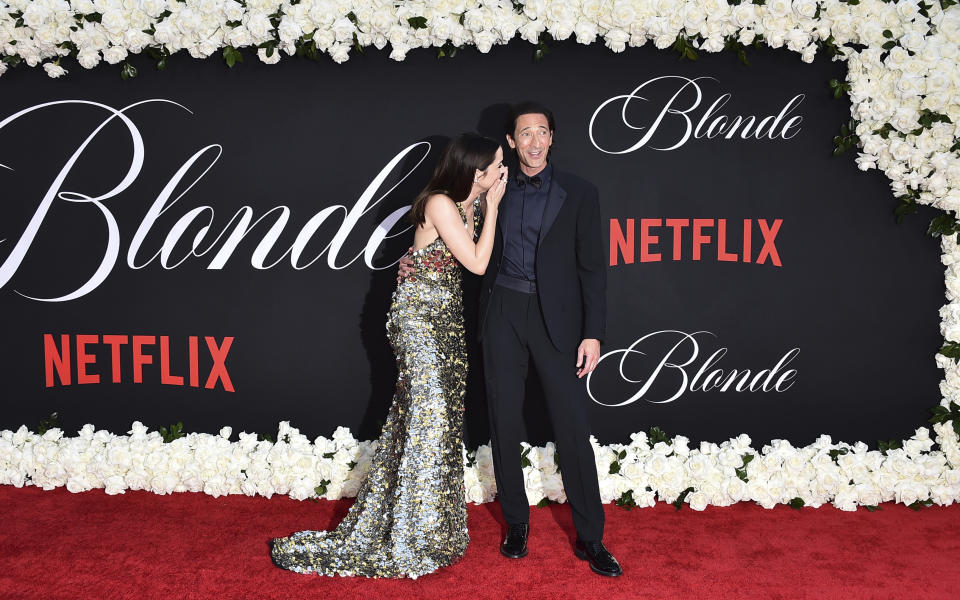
column 495, row 193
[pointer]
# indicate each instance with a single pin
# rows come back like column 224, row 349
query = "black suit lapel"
column 555, row 198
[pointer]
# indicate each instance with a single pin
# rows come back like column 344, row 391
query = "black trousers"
column 514, row 332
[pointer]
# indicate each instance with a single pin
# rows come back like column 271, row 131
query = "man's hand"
column 588, row 355
column 406, row 265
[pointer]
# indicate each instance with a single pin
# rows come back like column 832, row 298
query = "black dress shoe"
column 515, row 544
column 601, row 561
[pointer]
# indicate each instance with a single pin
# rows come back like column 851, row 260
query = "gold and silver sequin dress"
column 410, row 515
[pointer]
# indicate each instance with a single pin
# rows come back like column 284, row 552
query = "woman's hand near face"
column 495, row 193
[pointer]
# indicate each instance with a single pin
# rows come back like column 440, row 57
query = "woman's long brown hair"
column 453, row 175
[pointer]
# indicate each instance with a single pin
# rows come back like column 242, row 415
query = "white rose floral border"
column 903, row 80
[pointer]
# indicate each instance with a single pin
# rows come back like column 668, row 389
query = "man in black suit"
column 543, row 299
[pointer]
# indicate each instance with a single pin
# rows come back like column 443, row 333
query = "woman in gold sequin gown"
column 410, row 517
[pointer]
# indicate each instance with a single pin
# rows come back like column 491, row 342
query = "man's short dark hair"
column 527, row 108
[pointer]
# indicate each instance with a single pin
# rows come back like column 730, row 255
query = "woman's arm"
column 442, row 213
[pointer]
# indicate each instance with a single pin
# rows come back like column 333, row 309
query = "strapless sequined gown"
column 410, row 517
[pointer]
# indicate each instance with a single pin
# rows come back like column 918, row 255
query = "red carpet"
column 139, row 545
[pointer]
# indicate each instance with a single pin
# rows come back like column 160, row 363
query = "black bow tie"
column 523, row 180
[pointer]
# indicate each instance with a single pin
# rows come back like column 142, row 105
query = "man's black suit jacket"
column 571, row 273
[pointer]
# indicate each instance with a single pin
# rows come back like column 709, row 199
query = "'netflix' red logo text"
column 704, row 238
column 140, row 350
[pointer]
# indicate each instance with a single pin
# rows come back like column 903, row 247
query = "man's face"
column 531, row 139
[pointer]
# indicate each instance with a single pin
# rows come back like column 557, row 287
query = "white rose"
column 553, row 488
column 656, row 464
column 258, row 24
column 806, row 8
column 759, row 493
column 399, row 51
column 611, row 488
column 697, row 500
column 484, row 41
column 270, row 60
column 908, row 492
column 114, row 485
column 79, row 483
column 343, row 29
column 54, row 71
column 623, row 13
column 907, row 9
column 114, row 21
column 846, row 498
column 633, row 471
column 697, row 466
column 586, row 32
column 779, row 8
column 734, row 489
column 289, row 30
column 910, row 85
column 114, row 54
column 475, row 494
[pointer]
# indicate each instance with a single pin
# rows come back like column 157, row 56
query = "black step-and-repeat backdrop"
column 218, row 246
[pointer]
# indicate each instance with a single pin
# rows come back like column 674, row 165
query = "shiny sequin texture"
column 410, row 517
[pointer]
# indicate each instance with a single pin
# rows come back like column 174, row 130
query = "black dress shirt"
column 521, row 222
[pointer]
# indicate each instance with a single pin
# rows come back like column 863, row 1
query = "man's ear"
column 513, row 145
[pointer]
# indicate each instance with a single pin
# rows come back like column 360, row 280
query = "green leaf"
column 232, row 56
column 678, row 503
column 918, row 504
column 417, row 22
column 328, row 454
column 353, row 18
column 945, row 224
column 321, row 490
column 884, row 131
column 545, row 502
column 524, row 461
column 742, row 469
column 128, row 71
column 887, row 446
column 614, row 467
column 887, row 33
column 172, row 433
column 13, row 61
column 656, row 435
column 837, row 452
column 951, row 350
column 905, row 206
column 889, row 45
column 264, row 437
column 872, row 508
column 48, row 423
column 797, row 503
column 626, row 500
